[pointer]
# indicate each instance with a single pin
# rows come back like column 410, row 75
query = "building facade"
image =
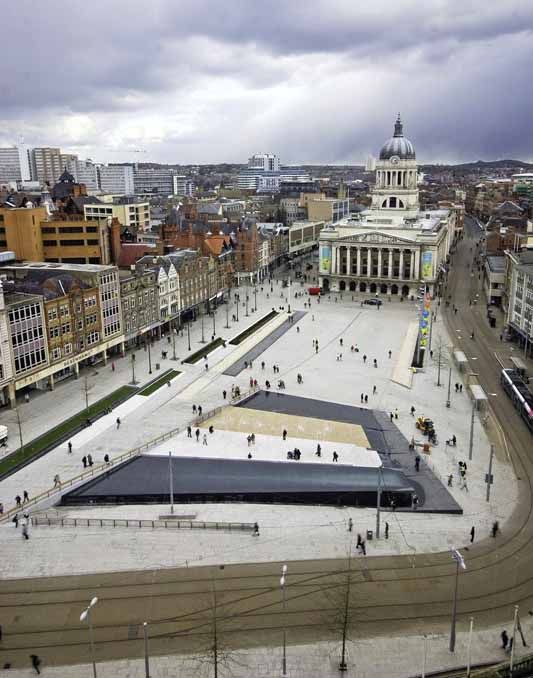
column 391, row 248
column 139, row 294
column 519, row 303
column 182, row 186
column 116, row 179
column 129, row 211
column 153, row 181
column 46, row 165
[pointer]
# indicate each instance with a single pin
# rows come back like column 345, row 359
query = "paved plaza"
column 334, row 374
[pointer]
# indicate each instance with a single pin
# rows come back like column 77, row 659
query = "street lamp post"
column 214, row 323
column 19, row 423
column 255, row 295
column 146, row 658
column 173, row 333
column 171, row 481
column 471, row 440
column 189, row 334
column 282, row 584
column 149, row 355
column 469, row 655
column 86, row 615
column 133, row 382
column 237, row 299
column 289, row 295
column 227, row 310
column 459, row 563
column 247, row 298
column 203, row 337
column 448, row 401
column 489, row 474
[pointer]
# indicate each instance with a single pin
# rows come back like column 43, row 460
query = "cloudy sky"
column 312, row 80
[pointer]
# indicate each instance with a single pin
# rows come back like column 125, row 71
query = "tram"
column 517, row 389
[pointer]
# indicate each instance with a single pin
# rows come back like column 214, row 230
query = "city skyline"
column 216, row 84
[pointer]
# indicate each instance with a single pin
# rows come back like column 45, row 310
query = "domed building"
column 392, row 248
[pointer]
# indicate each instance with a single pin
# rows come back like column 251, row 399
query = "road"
column 243, row 604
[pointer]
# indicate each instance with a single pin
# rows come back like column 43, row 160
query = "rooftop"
column 496, row 263
column 46, row 265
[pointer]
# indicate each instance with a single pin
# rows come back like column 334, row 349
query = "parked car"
column 372, row 302
column 3, row 435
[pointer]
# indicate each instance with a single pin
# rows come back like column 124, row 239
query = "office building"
column 14, row 164
column 264, row 174
column 129, row 211
column 116, row 179
column 153, row 181
column 182, row 186
column 46, row 165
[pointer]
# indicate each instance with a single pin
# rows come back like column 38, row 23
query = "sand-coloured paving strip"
column 273, row 423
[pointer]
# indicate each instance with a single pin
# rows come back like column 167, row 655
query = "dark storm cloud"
column 314, row 81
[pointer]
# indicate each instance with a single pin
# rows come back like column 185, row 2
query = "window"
column 64, row 310
column 52, row 313
column 71, row 243
column 47, row 229
column 50, row 243
column 70, row 229
column 54, row 332
column 92, row 242
column 56, row 353
column 65, row 328
column 67, row 349
column 79, row 324
column 93, row 338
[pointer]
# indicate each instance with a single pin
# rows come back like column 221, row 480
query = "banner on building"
column 427, row 264
column 325, row 258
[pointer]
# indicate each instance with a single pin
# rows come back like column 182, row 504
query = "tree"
column 217, row 654
column 442, row 356
column 340, row 605
column 87, row 388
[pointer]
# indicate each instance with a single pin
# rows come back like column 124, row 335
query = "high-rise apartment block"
column 46, row 165
column 116, row 179
column 14, row 164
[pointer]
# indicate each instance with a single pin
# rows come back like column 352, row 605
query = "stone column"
column 333, row 259
column 104, row 356
column 380, row 262
column 358, row 262
column 391, row 253
column 348, row 260
column 77, row 370
column 369, row 261
column 51, row 382
column 12, row 395
column 412, row 265
column 417, row 264
column 400, row 274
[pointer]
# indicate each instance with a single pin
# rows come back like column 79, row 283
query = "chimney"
column 115, row 240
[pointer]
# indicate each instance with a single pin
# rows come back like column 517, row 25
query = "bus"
column 518, row 390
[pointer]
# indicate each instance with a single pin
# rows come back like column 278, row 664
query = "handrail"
column 100, row 468
column 91, row 472
column 142, row 523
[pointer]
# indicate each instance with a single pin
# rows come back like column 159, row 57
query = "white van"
column 3, row 435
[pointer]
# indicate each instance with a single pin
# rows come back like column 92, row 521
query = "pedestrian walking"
column 256, row 530
column 340, row 342
column 206, row 369
column 472, row 533
column 362, row 398
column 505, row 639
column 25, row 497
column 363, row 547
column 18, row 499
column 84, row 461
column 70, row 447
column 194, row 409
column 35, row 662
column 15, row 520
column 495, row 528
column 204, row 439
column 335, row 456
column 199, row 410
column 318, row 450
column 350, row 525
column 375, row 363
column 396, row 413
column 386, row 530
column 252, row 436
column 390, row 354
column 316, row 348
column 374, row 390
column 263, row 365
column 89, row 460
column 412, row 411
column 189, row 432
column 197, row 433
column 249, row 440
column 284, row 434
column 106, row 459
column 456, row 387
column 224, row 394
column 112, row 367
column 57, row 481
column 118, row 422
column 417, row 463
column 366, row 400
column 460, row 388
column 25, row 532
column 391, row 416
column 510, row 646
column 359, row 541
column 364, row 358
column 415, row 501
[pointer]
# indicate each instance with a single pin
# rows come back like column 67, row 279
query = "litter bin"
column 369, row 535
column 157, row 366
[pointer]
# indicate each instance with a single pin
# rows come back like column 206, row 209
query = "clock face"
column 395, row 160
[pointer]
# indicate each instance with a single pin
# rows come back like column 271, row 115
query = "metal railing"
column 50, row 521
column 91, row 472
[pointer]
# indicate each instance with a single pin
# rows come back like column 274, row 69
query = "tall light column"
column 460, row 563
column 86, row 615
column 282, row 582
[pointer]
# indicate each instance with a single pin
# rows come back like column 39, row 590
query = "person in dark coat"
column 35, row 662
column 84, row 461
column 505, row 639
column 472, row 533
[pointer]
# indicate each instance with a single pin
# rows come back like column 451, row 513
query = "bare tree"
column 19, row 424
column 87, row 388
column 217, row 655
column 442, row 356
column 341, row 605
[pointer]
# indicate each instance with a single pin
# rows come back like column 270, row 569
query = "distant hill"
column 486, row 165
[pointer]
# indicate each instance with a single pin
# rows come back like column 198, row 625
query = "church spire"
column 398, row 127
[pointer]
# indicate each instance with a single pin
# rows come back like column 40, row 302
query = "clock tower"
column 396, row 189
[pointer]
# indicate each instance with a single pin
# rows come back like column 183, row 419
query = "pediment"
column 375, row 237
